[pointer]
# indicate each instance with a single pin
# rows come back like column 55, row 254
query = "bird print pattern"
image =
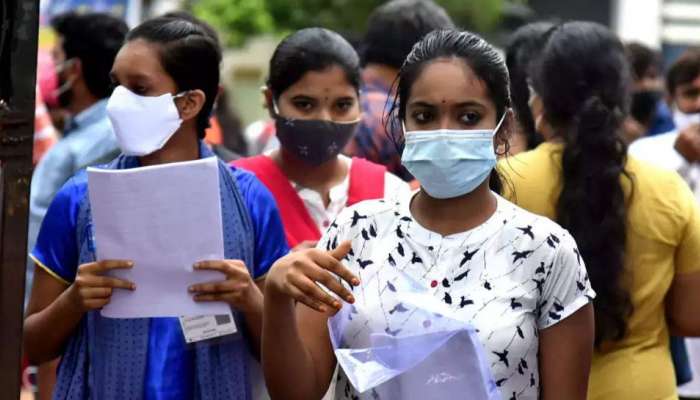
column 513, row 275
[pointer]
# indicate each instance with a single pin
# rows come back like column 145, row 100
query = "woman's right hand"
column 298, row 274
column 91, row 290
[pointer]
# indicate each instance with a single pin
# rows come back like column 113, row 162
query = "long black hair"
column 478, row 54
column 311, row 49
column 583, row 79
column 189, row 55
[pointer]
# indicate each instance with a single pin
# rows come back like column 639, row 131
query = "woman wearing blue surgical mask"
column 312, row 94
column 516, row 277
column 159, row 110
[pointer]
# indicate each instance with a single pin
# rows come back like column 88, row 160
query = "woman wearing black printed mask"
column 312, row 94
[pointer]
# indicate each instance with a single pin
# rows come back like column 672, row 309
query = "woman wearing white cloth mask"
column 159, row 111
column 515, row 276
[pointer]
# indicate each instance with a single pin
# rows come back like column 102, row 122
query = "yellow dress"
column 663, row 239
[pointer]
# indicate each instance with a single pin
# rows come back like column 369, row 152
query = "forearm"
column 46, row 331
column 253, row 327
column 288, row 364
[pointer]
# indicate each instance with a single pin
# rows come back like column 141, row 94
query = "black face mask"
column 643, row 107
column 314, row 141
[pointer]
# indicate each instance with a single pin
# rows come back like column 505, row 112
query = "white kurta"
column 511, row 277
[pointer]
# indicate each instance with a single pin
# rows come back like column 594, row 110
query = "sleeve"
column 56, row 249
column 270, row 241
column 566, row 287
column 52, row 172
column 686, row 258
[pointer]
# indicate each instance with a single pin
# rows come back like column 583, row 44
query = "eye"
column 422, row 117
column 304, row 105
column 345, row 105
column 470, row 118
column 692, row 93
column 140, row 90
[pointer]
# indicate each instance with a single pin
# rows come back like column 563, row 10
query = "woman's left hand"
column 238, row 289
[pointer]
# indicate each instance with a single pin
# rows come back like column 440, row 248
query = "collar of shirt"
column 314, row 203
column 89, row 116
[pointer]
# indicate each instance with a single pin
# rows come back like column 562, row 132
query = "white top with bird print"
column 512, row 276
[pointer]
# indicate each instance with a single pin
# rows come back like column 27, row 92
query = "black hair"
column 311, row 49
column 189, row 55
column 396, row 26
column 187, row 16
column 583, row 79
column 522, row 49
column 95, row 40
column 478, row 54
column 685, row 70
column 641, row 58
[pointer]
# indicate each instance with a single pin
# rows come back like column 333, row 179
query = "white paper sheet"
column 445, row 361
column 164, row 218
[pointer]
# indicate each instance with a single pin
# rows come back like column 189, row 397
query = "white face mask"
column 143, row 125
column 683, row 120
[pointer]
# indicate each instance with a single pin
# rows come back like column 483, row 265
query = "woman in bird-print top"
column 517, row 277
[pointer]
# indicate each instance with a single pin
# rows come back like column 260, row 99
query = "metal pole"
column 19, row 21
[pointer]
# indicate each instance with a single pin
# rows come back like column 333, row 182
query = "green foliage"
column 476, row 15
column 235, row 19
column 239, row 19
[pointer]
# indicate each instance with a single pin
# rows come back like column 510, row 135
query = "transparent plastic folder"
column 444, row 360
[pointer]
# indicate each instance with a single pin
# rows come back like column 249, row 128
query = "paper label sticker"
column 205, row 327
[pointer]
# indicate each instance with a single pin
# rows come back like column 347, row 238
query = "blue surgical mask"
column 450, row 163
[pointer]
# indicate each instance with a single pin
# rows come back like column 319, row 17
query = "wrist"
column 69, row 301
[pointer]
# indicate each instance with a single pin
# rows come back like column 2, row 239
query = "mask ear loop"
column 506, row 145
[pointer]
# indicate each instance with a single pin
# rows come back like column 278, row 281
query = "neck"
column 384, row 73
column 182, row 146
column 321, row 177
column 459, row 214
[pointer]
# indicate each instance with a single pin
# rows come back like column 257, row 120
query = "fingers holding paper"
column 299, row 274
column 92, row 290
column 238, row 289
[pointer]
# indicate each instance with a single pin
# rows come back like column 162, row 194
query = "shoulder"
column 531, row 167
column 76, row 186
column 65, row 204
column 654, row 180
column 519, row 217
column 366, row 210
column 249, row 185
column 395, row 184
column 661, row 201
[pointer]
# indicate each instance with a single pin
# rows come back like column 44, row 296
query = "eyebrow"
column 471, row 103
